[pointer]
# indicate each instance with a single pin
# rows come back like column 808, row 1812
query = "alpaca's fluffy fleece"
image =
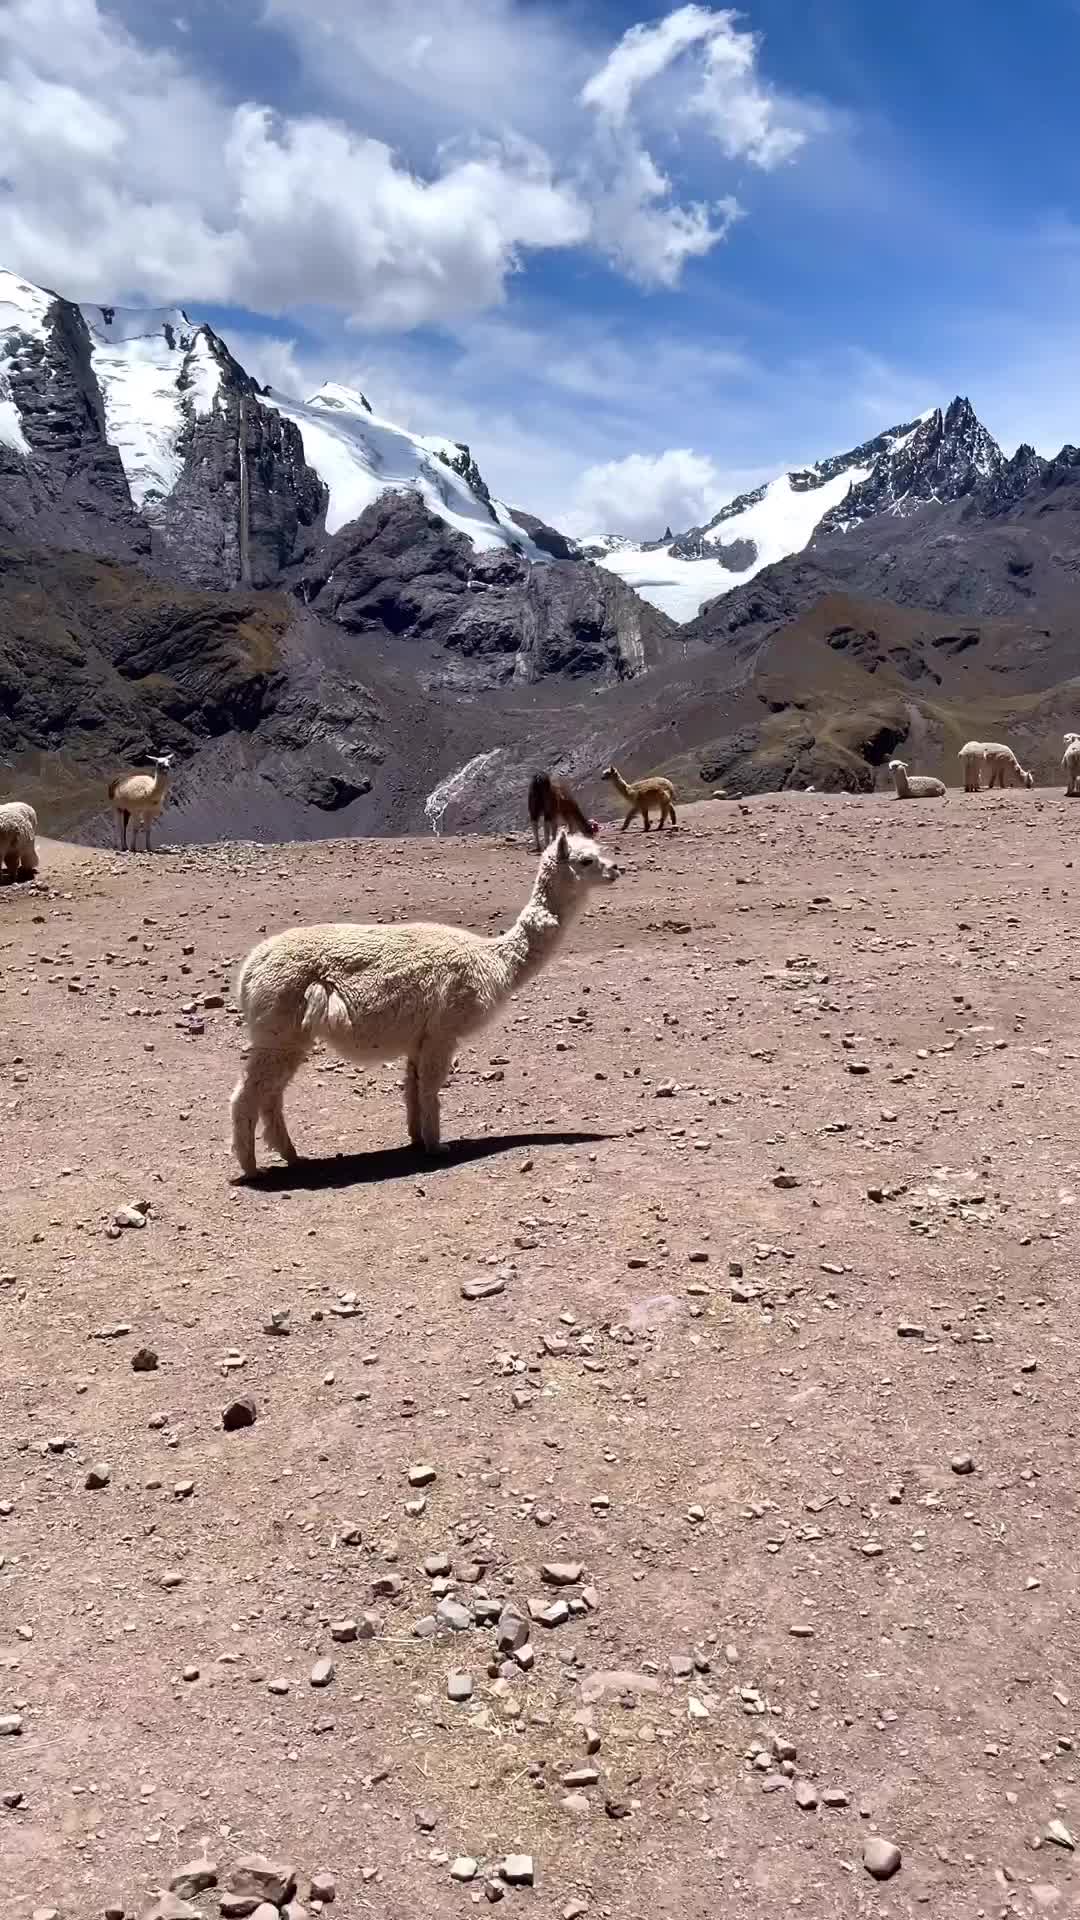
column 1070, row 760
column 380, row 993
column 1002, row 767
column 18, row 840
column 915, row 786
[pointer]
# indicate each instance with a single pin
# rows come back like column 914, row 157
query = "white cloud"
column 739, row 111
column 644, row 494
column 127, row 172
column 644, row 232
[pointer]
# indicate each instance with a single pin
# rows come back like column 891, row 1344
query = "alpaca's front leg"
column 645, row 819
column 628, row 819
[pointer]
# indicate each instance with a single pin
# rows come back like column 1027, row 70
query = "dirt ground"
column 777, row 1167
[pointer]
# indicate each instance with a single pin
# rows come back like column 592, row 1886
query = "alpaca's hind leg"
column 272, row 1110
column 258, row 1096
column 412, row 1093
column 672, row 816
column 433, row 1068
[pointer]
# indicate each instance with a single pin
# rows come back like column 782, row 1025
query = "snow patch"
column 782, row 522
column 359, row 457
column 454, row 786
column 23, row 315
column 149, row 362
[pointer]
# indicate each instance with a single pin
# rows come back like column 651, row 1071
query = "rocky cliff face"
column 496, row 616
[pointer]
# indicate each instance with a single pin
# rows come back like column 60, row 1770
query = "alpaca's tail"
column 324, row 1011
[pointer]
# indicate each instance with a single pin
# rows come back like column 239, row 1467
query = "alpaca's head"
column 609, row 773
column 594, row 828
column 1070, row 738
column 1029, row 779
column 573, row 864
column 161, row 760
column 897, row 766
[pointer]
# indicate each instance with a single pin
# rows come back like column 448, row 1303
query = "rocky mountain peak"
column 943, row 456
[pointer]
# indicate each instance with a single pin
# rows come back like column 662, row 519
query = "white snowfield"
column 147, row 361
column 22, row 312
column 360, row 457
column 780, row 523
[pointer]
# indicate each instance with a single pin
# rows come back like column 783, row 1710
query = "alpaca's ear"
column 562, row 845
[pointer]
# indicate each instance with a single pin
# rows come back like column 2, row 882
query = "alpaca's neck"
column 621, row 784
column 161, row 781
column 901, row 781
column 529, row 944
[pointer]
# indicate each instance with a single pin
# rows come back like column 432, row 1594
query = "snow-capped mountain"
column 358, row 457
column 936, row 457
column 230, row 482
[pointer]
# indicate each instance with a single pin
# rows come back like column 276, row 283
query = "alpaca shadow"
column 402, row 1163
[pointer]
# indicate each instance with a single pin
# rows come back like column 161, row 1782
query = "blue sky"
column 638, row 260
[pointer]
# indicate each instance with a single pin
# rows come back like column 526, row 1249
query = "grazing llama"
column 554, row 804
column 643, row 794
column 18, row 841
column 915, row 786
column 1070, row 760
column 380, row 993
column 1003, row 768
column 139, row 797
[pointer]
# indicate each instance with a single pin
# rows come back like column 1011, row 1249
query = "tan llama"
column 654, row 791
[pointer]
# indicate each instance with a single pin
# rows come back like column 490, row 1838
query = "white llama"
column 18, row 842
column 1003, row 768
column 915, row 786
column 1070, row 760
column 140, row 798
column 380, row 993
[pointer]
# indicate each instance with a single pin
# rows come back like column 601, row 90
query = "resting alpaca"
column 643, row 794
column 18, row 846
column 914, row 786
column 554, row 804
column 376, row 993
column 1070, row 760
column 1003, row 767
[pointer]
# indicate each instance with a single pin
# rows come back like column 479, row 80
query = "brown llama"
column 554, row 804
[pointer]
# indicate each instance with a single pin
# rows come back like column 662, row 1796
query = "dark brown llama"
column 554, row 804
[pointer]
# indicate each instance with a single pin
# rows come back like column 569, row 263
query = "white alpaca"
column 380, row 993
column 140, row 798
column 1003, row 768
column 18, row 844
column 972, row 757
column 1070, row 760
column 914, row 786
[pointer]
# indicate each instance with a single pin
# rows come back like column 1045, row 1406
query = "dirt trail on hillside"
column 776, row 1171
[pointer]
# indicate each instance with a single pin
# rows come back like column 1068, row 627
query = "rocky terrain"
column 665, row 1502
